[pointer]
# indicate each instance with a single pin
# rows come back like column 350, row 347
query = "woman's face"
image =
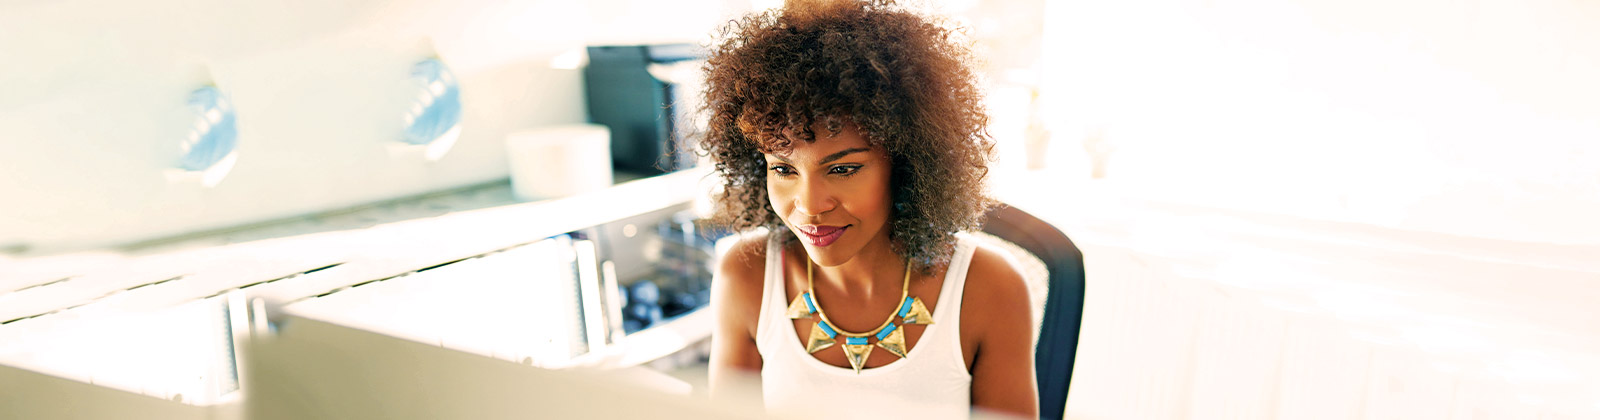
column 833, row 193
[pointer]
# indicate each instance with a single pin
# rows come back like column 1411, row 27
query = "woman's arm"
column 996, row 300
column 736, row 301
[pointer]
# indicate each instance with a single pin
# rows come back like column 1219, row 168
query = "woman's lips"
column 821, row 235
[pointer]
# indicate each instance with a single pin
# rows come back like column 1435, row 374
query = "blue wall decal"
column 214, row 136
column 434, row 116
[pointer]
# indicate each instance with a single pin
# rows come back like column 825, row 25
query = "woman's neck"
column 873, row 271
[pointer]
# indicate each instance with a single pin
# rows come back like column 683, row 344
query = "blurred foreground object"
column 315, row 370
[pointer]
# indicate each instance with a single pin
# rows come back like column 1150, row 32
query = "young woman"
column 854, row 133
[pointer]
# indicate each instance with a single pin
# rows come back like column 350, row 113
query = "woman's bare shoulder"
column 739, row 280
column 746, row 258
column 995, row 289
column 736, row 301
column 996, row 299
column 993, row 266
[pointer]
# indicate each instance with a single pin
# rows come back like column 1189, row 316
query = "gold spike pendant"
column 799, row 308
column 856, row 349
column 821, row 338
column 918, row 313
column 895, row 342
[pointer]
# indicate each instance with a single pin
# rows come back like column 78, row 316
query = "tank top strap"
column 947, row 313
column 955, row 280
column 773, row 294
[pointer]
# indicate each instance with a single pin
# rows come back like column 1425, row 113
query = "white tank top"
column 932, row 382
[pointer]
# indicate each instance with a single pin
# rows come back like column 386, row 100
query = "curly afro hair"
column 903, row 78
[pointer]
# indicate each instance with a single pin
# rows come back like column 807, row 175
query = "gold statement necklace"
column 889, row 336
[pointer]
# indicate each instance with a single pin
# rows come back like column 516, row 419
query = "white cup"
column 558, row 161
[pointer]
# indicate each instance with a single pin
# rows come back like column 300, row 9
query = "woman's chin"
column 828, row 256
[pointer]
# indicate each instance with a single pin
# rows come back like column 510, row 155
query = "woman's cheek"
column 775, row 196
column 883, row 199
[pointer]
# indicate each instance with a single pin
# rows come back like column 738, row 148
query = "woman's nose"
column 813, row 198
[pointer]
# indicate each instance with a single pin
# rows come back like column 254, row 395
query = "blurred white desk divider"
column 173, row 364
column 26, row 394
column 514, row 305
column 312, row 369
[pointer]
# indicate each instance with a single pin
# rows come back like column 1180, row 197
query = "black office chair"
column 1063, row 307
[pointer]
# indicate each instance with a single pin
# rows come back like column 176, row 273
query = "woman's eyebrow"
column 829, row 158
column 841, row 154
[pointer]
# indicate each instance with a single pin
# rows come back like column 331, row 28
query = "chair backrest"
column 1057, row 341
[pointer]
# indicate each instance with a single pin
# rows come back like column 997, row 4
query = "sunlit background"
column 1287, row 209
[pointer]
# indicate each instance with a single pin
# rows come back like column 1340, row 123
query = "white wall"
column 92, row 102
column 1469, row 118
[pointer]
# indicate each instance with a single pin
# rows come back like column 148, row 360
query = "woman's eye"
column 782, row 170
column 843, row 170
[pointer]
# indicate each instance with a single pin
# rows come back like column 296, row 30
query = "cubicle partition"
column 604, row 280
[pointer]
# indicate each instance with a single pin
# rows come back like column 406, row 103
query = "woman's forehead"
column 826, row 144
